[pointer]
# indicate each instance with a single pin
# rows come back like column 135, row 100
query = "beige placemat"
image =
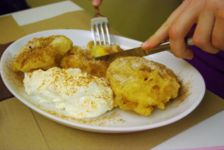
column 9, row 30
column 21, row 128
column 12, row 31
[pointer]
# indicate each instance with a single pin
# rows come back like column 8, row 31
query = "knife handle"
column 189, row 42
column 166, row 46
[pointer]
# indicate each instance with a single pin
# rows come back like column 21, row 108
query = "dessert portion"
column 65, row 79
column 42, row 53
column 69, row 92
column 84, row 59
column 141, row 85
column 79, row 58
column 101, row 50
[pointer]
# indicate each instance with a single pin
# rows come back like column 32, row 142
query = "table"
column 21, row 128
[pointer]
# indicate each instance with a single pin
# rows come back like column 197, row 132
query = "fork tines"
column 100, row 31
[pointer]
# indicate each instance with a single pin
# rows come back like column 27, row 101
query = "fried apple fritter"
column 42, row 53
column 141, row 85
column 79, row 58
column 101, row 50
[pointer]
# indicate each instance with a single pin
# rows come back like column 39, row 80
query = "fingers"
column 181, row 27
column 96, row 3
column 179, row 49
column 203, row 32
column 218, row 31
column 209, row 33
column 162, row 33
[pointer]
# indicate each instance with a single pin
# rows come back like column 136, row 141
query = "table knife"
column 138, row 51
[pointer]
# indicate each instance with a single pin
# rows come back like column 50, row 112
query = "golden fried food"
column 141, row 85
column 101, row 50
column 42, row 53
column 79, row 58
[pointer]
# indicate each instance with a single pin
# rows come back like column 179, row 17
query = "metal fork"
column 100, row 29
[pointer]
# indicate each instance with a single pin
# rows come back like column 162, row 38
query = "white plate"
column 116, row 121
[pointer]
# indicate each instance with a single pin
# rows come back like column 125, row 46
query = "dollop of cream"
column 70, row 92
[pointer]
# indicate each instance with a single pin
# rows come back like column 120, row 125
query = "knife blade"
column 138, row 51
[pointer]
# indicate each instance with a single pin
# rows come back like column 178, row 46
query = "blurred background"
column 137, row 19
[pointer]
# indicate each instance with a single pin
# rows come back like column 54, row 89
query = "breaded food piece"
column 80, row 58
column 141, row 85
column 101, row 50
column 41, row 53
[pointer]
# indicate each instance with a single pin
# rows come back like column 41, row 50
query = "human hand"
column 96, row 3
column 208, row 15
